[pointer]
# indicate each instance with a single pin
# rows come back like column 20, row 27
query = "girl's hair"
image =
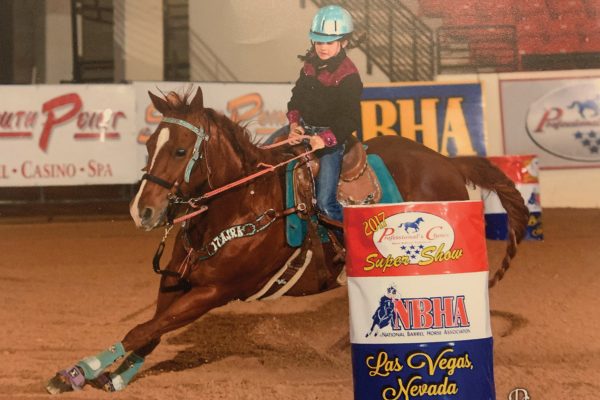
column 352, row 43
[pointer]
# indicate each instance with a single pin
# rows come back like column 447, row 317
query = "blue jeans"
column 330, row 161
column 330, row 166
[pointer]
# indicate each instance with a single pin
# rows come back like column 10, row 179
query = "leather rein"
column 248, row 229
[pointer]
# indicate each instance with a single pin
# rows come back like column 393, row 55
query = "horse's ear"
column 160, row 104
column 197, row 103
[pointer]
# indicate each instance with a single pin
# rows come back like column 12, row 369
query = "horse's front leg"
column 139, row 342
column 120, row 378
column 142, row 339
column 91, row 369
column 181, row 312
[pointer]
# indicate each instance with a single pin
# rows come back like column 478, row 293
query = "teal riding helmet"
column 330, row 24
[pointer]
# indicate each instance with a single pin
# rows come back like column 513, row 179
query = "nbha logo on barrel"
column 417, row 285
column 431, row 313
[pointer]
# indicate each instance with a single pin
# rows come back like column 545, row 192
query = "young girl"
column 325, row 101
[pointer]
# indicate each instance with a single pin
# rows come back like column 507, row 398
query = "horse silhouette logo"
column 582, row 106
column 534, row 199
column 384, row 315
column 411, row 225
column 409, row 237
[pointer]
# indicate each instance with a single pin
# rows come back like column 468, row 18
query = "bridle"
column 177, row 198
column 201, row 136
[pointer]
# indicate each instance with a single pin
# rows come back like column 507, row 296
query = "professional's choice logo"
column 417, row 314
column 566, row 122
column 415, row 238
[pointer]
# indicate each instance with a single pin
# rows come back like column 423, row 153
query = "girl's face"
column 327, row 50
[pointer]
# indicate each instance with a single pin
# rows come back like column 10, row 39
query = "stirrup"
column 340, row 251
column 342, row 278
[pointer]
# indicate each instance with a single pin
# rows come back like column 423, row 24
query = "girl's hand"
column 296, row 134
column 316, row 142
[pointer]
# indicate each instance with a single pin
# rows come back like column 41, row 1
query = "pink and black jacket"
column 327, row 94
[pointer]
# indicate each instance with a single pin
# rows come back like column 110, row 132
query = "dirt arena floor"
column 69, row 288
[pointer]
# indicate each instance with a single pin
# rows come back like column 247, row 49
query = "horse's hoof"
column 58, row 385
column 66, row 380
column 104, row 382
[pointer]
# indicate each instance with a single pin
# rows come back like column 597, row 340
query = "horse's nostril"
column 147, row 213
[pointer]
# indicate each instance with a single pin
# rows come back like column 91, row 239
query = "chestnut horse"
column 235, row 248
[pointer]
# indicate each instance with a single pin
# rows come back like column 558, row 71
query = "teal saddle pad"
column 296, row 227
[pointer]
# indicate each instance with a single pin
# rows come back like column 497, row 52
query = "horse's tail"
column 573, row 104
column 481, row 172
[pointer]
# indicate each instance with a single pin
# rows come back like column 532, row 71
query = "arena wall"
column 259, row 43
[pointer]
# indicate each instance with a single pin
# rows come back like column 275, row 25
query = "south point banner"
column 54, row 135
column 418, row 294
column 447, row 118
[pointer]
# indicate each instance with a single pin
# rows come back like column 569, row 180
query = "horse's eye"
column 179, row 152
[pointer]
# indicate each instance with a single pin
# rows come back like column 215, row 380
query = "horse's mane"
column 239, row 136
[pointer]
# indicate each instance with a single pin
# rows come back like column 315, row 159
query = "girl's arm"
column 346, row 117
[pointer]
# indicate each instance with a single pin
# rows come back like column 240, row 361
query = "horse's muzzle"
column 148, row 217
column 151, row 218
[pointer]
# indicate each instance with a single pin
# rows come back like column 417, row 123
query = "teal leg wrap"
column 126, row 371
column 93, row 366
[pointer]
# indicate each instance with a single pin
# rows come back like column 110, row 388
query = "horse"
column 581, row 106
column 236, row 248
column 411, row 225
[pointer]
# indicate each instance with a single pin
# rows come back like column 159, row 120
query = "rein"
column 193, row 202
column 237, row 231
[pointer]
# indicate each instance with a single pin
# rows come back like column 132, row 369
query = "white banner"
column 54, row 135
column 557, row 119
column 58, row 135
column 261, row 107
